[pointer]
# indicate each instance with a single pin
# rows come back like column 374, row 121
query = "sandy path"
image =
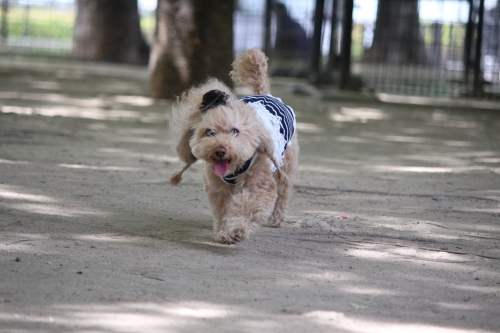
column 394, row 224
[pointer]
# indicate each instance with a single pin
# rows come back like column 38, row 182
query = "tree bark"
column 109, row 30
column 193, row 41
column 397, row 37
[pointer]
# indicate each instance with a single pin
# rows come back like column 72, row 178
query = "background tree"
column 109, row 30
column 193, row 40
column 397, row 37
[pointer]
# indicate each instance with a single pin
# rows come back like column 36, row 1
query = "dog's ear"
column 182, row 127
column 183, row 149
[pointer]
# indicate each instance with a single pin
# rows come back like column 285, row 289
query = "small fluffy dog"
column 249, row 146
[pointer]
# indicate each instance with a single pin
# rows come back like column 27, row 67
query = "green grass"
column 148, row 24
column 40, row 22
column 452, row 35
column 46, row 22
column 357, row 48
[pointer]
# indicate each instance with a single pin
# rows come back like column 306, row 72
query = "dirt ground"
column 393, row 226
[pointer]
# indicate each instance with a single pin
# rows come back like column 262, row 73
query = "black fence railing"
column 410, row 47
column 447, row 56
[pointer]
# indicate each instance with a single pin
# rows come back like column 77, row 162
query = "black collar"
column 232, row 178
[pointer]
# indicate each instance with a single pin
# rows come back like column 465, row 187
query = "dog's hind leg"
column 290, row 163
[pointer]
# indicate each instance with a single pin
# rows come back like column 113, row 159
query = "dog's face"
column 227, row 136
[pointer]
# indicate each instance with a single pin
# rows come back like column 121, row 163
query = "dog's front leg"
column 235, row 229
column 219, row 204
column 221, row 231
column 245, row 211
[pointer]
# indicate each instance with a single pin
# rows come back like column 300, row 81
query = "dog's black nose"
column 220, row 152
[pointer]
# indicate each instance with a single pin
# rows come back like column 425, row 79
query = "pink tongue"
column 221, row 166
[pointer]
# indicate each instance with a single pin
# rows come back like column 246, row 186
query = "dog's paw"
column 223, row 238
column 275, row 220
column 239, row 233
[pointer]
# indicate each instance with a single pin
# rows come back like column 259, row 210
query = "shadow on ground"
column 394, row 224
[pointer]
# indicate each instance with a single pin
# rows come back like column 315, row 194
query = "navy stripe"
column 277, row 108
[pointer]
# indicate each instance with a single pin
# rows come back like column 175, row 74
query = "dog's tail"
column 251, row 68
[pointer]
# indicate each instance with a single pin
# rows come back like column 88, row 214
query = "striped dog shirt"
column 279, row 120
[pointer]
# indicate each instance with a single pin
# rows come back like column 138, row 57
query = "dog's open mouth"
column 221, row 166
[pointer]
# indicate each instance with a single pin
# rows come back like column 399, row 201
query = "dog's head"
column 228, row 133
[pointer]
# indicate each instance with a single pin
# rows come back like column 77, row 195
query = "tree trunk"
column 397, row 38
column 109, row 30
column 193, row 41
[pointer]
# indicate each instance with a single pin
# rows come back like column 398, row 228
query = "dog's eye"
column 210, row 132
column 235, row 131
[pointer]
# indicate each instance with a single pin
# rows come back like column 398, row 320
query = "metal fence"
column 410, row 47
column 447, row 52
column 289, row 27
column 36, row 28
column 414, row 47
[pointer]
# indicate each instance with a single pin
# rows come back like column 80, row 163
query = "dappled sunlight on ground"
column 52, row 98
column 88, row 113
column 447, row 160
column 108, row 237
column 341, row 322
column 45, row 209
column 494, row 160
column 309, row 128
column 3, row 161
column 193, row 315
column 393, row 224
column 483, row 210
column 19, row 199
column 330, row 276
column 18, row 239
column 352, row 139
column 460, row 306
column 102, row 168
column 420, row 169
column 369, row 291
column 358, row 115
column 439, row 118
column 12, row 192
column 443, row 102
column 374, row 252
column 128, row 153
column 305, row 168
column 484, row 290
column 127, row 317
column 401, row 138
